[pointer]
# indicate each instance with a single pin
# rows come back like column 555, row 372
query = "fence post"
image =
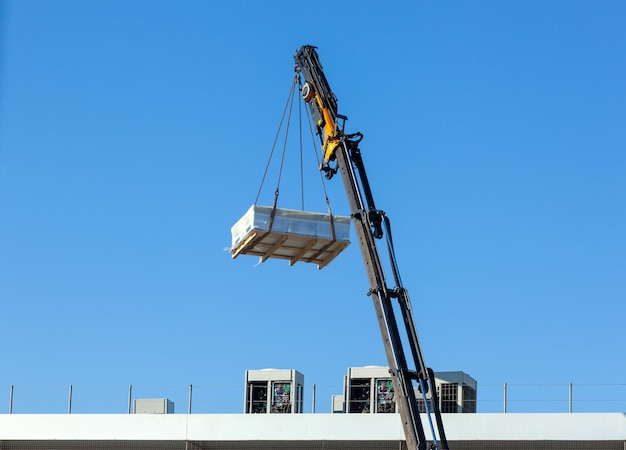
column 571, row 398
column 69, row 401
column 505, row 398
column 130, row 397
column 190, row 396
column 11, row 400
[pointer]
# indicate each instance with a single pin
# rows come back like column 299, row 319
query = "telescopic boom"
column 342, row 154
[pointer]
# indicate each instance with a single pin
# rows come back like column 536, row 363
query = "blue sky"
column 133, row 135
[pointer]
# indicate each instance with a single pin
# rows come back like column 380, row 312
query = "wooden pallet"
column 292, row 247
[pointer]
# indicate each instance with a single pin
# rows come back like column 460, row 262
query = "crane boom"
column 370, row 225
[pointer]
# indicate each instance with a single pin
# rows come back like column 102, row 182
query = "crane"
column 341, row 154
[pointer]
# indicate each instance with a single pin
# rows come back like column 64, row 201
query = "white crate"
column 294, row 235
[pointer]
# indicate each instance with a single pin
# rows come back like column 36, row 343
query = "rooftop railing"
column 229, row 399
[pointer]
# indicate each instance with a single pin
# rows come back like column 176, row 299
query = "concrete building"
column 596, row 431
column 273, row 419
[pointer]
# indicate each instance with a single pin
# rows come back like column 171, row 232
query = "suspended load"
column 270, row 232
column 293, row 235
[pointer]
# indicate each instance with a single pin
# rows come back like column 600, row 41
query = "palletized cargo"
column 289, row 234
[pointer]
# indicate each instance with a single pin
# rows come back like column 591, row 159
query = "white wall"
column 207, row 427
